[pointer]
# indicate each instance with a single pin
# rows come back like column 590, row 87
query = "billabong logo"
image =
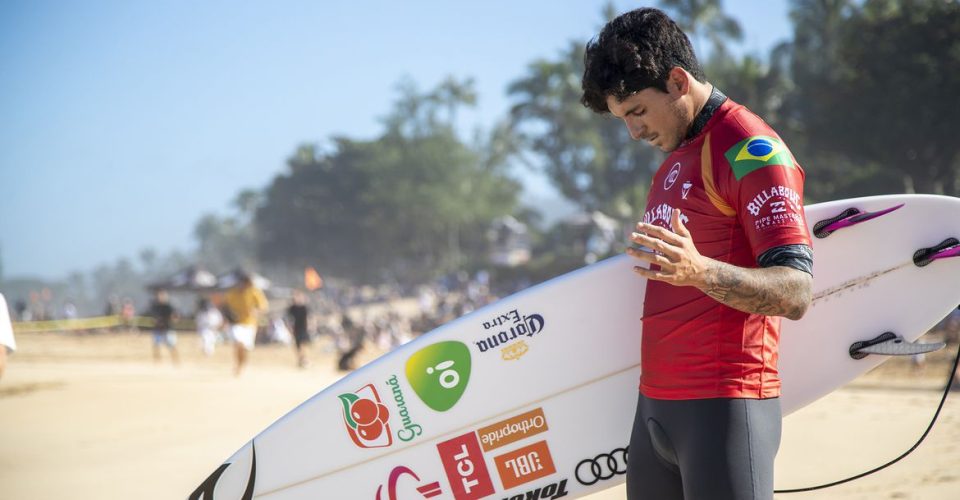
column 782, row 195
column 365, row 418
column 672, row 176
column 757, row 152
column 427, row 491
column 662, row 215
column 439, row 373
column 776, row 206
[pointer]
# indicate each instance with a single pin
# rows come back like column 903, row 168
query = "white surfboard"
column 534, row 396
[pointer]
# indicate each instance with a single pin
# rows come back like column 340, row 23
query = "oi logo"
column 439, row 373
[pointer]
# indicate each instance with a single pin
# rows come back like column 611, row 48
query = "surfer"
column 729, row 254
column 245, row 302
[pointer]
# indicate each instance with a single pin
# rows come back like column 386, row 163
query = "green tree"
column 875, row 88
column 224, row 243
column 590, row 159
column 762, row 86
column 903, row 95
column 409, row 205
column 121, row 279
column 813, row 62
column 704, row 18
column 246, row 203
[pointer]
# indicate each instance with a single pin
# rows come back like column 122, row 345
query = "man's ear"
column 678, row 82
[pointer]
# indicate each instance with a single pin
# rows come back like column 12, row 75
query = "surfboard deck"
column 534, row 396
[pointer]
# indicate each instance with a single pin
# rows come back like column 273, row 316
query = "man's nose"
column 637, row 130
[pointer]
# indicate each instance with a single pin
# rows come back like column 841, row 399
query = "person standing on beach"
column 127, row 313
column 729, row 253
column 208, row 320
column 163, row 315
column 7, row 343
column 246, row 303
column 298, row 312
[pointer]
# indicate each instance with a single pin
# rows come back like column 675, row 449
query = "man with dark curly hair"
column 729, row 254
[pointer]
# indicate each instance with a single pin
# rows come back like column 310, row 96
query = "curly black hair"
column 635, row 51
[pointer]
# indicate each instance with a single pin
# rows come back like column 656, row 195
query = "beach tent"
column 230, row 279
column 192, row 278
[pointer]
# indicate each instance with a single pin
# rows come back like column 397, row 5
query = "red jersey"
column 740, row 193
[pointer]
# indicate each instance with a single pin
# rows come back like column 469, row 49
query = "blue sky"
column 122, row 122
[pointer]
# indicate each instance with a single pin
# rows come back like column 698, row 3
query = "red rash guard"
column 740, row 193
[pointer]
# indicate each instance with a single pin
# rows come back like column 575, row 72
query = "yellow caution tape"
column 94, row 323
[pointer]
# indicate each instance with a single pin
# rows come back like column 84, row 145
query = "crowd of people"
column 243, row 317
column 339, row 318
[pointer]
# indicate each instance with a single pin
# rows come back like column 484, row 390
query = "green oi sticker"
column 439, row 373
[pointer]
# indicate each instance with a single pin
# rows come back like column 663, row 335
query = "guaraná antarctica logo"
column 410, row 429
column 366, row 418
column 439, row 373
column 512, row 326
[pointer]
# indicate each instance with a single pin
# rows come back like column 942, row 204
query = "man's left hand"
column 680, row 262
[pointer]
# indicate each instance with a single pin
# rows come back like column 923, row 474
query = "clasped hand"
column 680, row 262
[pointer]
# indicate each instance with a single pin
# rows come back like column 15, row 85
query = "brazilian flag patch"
column 757, row 152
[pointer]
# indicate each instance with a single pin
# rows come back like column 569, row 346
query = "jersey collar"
column 713, row 103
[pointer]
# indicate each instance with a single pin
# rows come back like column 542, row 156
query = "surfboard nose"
column 231, row 480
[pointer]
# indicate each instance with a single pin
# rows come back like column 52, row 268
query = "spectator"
column 246, row 302
column 163, row 316
column 208, row 320
column 7, row 343
column 298, row 313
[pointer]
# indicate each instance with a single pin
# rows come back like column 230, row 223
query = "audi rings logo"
column 602, row 467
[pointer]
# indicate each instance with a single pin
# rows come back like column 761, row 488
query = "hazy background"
column 140, row 138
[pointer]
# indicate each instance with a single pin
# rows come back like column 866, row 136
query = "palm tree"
column 699, row 18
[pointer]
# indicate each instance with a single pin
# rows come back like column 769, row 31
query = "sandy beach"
column 93, row 417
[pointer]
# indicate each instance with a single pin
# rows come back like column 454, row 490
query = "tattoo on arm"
column 771, row 291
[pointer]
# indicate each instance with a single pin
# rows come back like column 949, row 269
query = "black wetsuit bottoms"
column 703, row 449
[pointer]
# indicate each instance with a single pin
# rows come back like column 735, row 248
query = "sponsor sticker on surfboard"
column 439, row 373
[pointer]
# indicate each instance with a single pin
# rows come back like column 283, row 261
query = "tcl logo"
column 463, row 462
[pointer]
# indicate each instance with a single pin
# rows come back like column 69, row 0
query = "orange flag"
column 312, row 279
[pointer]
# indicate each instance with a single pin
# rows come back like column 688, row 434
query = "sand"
column 93, row 417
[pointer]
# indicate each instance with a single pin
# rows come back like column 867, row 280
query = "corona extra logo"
column 512, row 329
column 514, row 351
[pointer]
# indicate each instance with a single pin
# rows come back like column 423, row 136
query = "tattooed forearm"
column 771, row 291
